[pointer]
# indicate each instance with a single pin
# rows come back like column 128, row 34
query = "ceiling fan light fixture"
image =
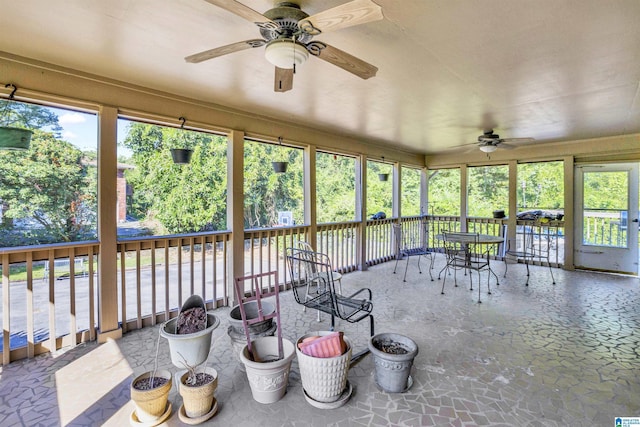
column 286, row 53
column 488, row 148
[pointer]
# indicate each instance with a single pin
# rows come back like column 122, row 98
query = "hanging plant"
column 279, row 166
column 13, row 138
column 182, row 156
column 383, row 176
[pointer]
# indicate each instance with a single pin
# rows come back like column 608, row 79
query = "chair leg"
column 494, row 275
column 431, row 267
column 445, row 278
column 396, row 266
column 526, row 262
column 506, row 265
column 406, row 267
column 553, row 279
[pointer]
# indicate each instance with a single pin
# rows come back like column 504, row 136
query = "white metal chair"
column 315, row 275
column 412, row 244
column 531, row 246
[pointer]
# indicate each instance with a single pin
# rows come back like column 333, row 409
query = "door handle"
column 634, row 220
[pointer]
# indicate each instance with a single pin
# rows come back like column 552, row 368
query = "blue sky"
column 81, row 129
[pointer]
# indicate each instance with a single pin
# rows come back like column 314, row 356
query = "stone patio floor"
column 542, row 355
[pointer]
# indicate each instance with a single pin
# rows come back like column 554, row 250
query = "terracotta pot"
column 151, row 404
column 198, row 401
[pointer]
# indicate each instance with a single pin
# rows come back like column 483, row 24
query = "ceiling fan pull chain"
column 294, row 53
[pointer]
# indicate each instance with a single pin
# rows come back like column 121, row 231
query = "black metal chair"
column 314, row 287
column 464, row 252
column 412, row 245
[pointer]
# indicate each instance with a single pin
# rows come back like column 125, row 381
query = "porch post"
column 513, row 202
column 424, row 192
column 361, row 210
column 235, row 209
column 310, row 207
column 397, row 192
column 569, row 221
column 108, row 326
column 463, row 197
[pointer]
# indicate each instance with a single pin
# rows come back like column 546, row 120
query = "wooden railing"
column 380, row 245
column 156, row 274
column 339, row 241
column 40, row 313
column 492, row 227
column 265, row 249
column 45, row 309
column 548, row 234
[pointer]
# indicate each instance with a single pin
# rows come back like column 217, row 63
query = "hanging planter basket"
column 279, row 167
column 15, row 138
column 181, row 156
column 383, row 176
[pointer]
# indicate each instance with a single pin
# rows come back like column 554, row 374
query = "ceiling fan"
column 288, row 31
column 489, row 141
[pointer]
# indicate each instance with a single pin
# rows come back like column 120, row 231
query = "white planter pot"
column 324, row 379
column 192, row 349
column 268, row 380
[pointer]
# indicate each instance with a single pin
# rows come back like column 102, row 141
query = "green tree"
column 410, row 191
column 444, row 192
column 30, row 116
column 177, row 198
column 379, row 193
column 52, row 185
column 488, row 190
column 335, row 188
column 266, row 192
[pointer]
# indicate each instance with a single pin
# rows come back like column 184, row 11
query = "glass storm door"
column 606, row 219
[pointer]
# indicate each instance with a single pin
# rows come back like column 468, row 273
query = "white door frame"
column 611, row 254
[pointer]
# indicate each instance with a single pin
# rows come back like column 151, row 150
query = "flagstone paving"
column 542, row 355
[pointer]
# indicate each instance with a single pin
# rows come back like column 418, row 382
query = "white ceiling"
column 554, row 70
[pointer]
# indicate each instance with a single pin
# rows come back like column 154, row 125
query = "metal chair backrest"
column 309, row 268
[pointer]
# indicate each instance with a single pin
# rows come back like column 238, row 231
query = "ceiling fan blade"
column 284, row 79
column 245, row 12
column 347, row 62
column 224, row 50
column 349, row 14
column 518, row 140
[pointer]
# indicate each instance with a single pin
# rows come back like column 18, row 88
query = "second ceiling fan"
column 288, row 31
column 489, row 141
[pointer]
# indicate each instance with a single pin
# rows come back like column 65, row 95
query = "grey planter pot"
column 383, row 176
column 392, row 370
